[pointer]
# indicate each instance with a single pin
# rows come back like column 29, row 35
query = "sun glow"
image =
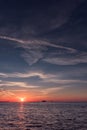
column 22, row 99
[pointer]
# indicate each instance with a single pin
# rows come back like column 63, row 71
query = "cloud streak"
column 68, row 60
column 41, row 75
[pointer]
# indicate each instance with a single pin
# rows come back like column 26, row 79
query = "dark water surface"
column 43, row 116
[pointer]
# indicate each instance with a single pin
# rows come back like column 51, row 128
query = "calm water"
column 43, row 116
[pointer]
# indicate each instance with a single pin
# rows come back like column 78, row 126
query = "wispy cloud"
column 67, row 60
column 17, row 86
column 41, row 75
column 35, row 49
column 59, row 78
column 64, row 82
column 8, row 84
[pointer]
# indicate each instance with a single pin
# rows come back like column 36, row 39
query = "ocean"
column 43, row 116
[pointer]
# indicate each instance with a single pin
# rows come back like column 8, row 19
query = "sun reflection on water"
column 21, row 116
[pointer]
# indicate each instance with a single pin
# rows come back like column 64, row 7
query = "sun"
column 22, row 99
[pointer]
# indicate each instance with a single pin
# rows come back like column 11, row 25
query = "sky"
column 43, row 50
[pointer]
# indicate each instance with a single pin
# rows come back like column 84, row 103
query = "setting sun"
column 22, row 99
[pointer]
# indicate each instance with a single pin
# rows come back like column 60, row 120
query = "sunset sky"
column 43, row 50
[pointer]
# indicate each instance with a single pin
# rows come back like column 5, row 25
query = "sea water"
column 43, row 116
